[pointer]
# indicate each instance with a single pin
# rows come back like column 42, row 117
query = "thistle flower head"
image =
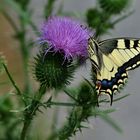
column 65, row 35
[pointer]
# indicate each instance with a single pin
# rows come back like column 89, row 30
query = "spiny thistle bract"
column 52, row 71
column 113, row 6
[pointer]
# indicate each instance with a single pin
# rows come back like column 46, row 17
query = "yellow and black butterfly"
column 112, row 59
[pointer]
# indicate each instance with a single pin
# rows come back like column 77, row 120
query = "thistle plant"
column 62, row 48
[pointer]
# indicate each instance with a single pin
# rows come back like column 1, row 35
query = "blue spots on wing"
column 108, row 84
column 114, row 80
column 121, row 70
column 117, row 75
column 105, row 84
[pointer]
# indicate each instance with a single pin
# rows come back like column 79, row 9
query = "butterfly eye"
column 83, row 27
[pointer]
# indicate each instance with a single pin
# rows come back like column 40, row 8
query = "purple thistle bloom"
column 65, row 35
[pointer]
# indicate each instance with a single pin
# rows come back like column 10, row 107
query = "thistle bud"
column 87, row 94
column 52, row 71
column 113, row 6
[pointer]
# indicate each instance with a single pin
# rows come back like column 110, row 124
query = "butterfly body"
column 112, row 59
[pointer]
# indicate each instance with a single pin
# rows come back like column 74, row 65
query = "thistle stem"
column 14, row 84
column 55, row 115
column 25, row 55
column 30, row 111
column 48, row 8
column 24, row 130
column 11, row 79
column 122, row 17
column 62, row 104
column 77, row 115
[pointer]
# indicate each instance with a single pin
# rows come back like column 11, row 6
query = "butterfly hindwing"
column 111, row 77
column 118, row 56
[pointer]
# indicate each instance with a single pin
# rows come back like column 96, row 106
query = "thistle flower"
column 62, row 34
column 62, row 40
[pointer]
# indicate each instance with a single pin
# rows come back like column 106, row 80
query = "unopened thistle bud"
column 87, row 94
column 113, row 6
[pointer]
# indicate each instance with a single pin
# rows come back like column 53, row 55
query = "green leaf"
column 104, row 115
column 117, row 99
column 114, row 100
column 111, row 122
column 72, row 90
column 107, row 111
column 68, row 92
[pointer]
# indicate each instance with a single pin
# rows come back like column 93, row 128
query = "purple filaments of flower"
column 65, row 35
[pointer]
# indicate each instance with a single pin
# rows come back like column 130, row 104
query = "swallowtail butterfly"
column 112, row 59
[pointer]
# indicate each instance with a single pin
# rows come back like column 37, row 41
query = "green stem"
column 60, row 9
column 122, row 18
column 62, row 104
column 12, row 81
column 70, row 128
column 48, row 8
column 24, row 130
column 66, row 92
column 55, row 114
column 30, row 112
column 25, row 54
column 77, row 115
column 14, row 84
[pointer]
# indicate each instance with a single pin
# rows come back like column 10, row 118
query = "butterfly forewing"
column 123, row 52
